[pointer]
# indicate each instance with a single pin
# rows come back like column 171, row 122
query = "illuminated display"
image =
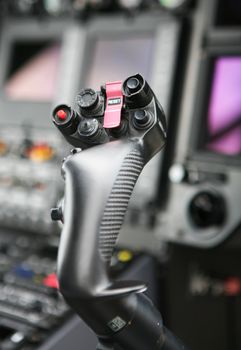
column 224, row 111
column 117, row 58
column 33, row 71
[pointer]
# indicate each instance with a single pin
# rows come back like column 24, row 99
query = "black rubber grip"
column 171, row 342
column 117, row 203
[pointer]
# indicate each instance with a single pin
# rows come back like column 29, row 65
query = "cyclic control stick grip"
column 99, row 183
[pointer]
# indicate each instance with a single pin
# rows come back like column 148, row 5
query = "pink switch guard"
column 114, row 103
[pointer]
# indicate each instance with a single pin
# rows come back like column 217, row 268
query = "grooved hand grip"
column 99, row 184
column 117, row 203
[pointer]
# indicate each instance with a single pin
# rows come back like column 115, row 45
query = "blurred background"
column 182, row 231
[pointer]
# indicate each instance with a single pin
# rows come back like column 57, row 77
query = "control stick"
column 116, row 131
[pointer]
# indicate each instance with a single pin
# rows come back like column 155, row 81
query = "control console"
column 29, row 182
column 203, row 208
column 30, row 306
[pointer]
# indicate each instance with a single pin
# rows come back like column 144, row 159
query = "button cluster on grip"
column 117, row 203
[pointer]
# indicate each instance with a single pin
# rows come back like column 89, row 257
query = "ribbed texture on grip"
column 118, row 202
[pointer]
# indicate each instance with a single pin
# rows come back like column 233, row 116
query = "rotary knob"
column 207, row 209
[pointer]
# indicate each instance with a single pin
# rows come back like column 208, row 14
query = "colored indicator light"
column 40, row 153
column 51, row 281
column 173, row 4
column 3, row 148
column 23, row 271
column 125, row 256
column 62, row 115
column 38, row 279
column 232, row 286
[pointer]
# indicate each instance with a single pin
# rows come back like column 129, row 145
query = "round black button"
column 141, row 117
column 88, row 127
column 133, row 85
column 87, row 99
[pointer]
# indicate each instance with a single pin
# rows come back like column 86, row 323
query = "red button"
column 51, row 281
column 61, row 114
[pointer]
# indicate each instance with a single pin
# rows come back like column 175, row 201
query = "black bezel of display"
column 198, row 136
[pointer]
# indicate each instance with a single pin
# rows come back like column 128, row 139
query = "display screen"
column 224, row 110
column 116, row 59
column 32, row 71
